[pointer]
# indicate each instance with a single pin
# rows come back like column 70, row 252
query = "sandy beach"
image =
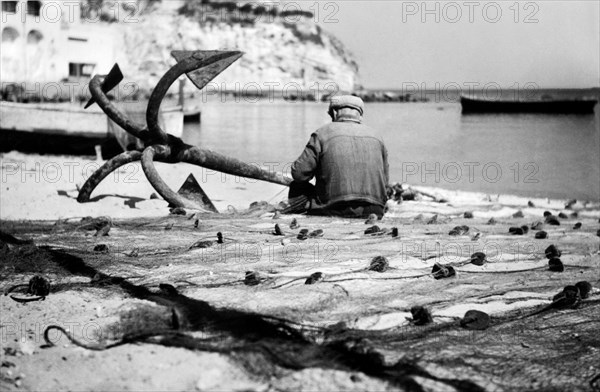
column 45, row 188
column 352, row 329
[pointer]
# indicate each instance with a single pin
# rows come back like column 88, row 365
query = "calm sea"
column 534, row 155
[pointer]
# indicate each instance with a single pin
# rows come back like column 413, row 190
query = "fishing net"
column 353, row 319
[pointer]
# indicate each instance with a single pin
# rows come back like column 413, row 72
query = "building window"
column 9, row 35
column 33, row 8
column 10, row 7
column 78, row 70
column 34, row 37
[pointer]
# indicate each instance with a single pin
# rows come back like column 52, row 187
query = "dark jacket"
column 349, row 161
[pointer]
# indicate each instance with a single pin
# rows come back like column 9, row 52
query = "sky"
column 551, row 43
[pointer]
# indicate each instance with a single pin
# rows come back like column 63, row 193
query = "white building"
column 47, row 41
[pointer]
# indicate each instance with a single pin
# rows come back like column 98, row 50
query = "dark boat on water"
column 481, row 105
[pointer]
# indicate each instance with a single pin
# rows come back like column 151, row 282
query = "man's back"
column 349, row 161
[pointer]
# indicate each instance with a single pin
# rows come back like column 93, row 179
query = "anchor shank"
column 183, row 66
column 112, row 111
column 215, row 161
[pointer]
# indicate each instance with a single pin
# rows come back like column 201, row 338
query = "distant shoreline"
column 26, row 93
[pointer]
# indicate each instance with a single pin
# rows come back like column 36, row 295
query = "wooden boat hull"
column 474, row 105
column 57, row 144
column 64, row 129
column 191, row 115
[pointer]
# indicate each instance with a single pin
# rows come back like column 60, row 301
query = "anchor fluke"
column 209, row 63
column 111, row 80
column 193, row 192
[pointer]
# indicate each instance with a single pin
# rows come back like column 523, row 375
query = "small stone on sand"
column 421, row 315
column 552, row 251
column 316, row 233
column 202, row 244
column 570, row 297
column 379, row 264
column 478, row 258
column 251, row 278
column 555, row 265
column 303, row 234
column 459, row 230
column 515, row 231
column 38, row 285
column 540, row 235
column 439, row 271
column 373, row 230
column 584, row 288
column 101, row 248
column 314, row 278
column 475, row 319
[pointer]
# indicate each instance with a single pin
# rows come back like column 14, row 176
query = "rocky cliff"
column 284, row 50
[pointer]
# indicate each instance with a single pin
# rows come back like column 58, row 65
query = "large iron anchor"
column 200, row 67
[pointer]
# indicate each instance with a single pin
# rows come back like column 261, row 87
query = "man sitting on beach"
column 349, row 162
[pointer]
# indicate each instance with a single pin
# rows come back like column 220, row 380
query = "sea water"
column 431, row 144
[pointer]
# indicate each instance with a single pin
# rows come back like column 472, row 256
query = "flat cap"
column 346, row 101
